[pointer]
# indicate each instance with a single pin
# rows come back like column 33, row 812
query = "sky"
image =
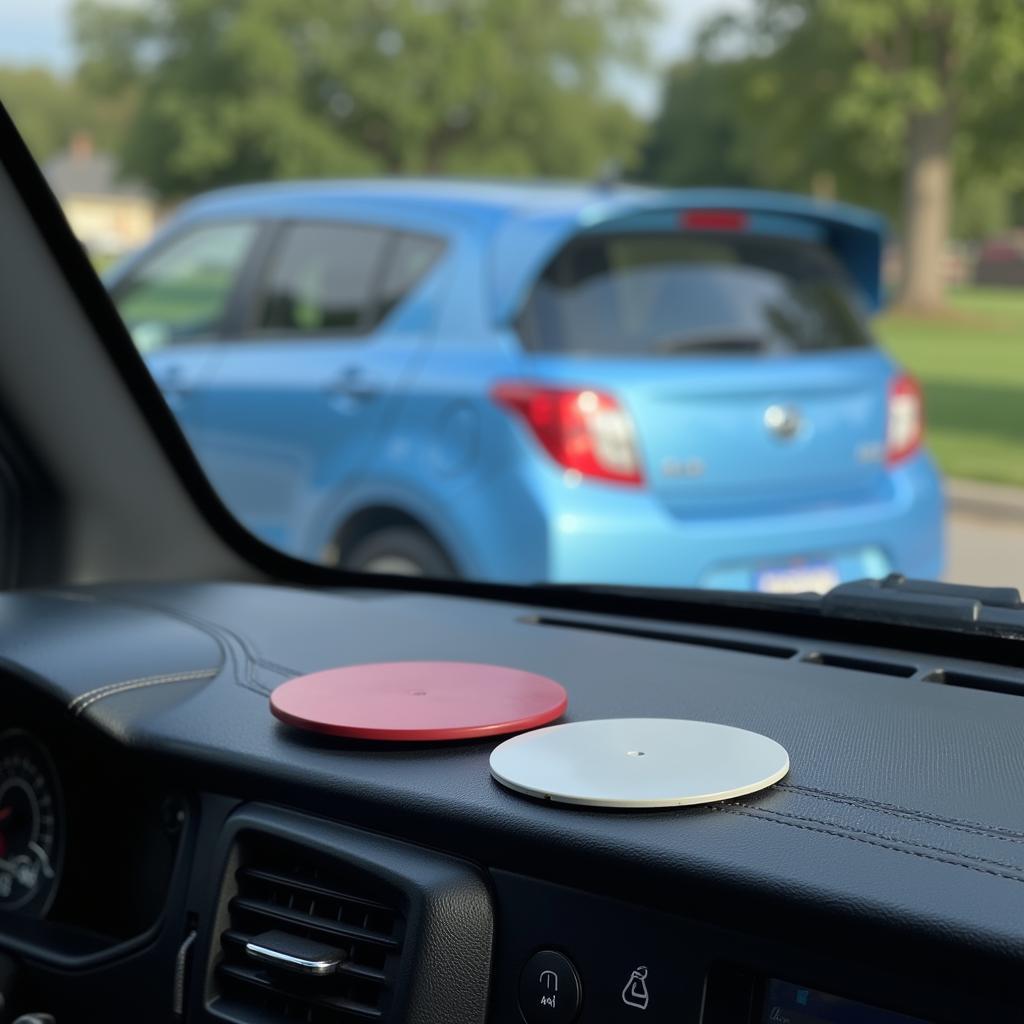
column 38, row 32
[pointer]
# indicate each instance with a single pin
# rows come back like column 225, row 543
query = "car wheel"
column 399, row 551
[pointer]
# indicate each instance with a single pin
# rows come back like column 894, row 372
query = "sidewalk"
column 985, row 541
column 992, row 501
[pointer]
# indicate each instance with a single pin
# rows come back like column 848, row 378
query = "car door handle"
column 353, row 383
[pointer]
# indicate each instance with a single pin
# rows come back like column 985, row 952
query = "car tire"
column 399, row 551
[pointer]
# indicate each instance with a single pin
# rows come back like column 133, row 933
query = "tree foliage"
column 49, row 109
column 906, row 105
column 237, row 90
column 699, row 134
column 750, row 122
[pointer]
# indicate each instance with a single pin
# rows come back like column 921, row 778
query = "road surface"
column 985, row 550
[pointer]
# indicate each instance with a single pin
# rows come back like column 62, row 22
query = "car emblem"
column 673, row 467
column 783, row 421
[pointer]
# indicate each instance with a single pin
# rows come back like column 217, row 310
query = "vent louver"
column 289, row 892
column 673, row 636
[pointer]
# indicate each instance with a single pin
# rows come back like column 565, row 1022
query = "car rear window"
column 692, row 293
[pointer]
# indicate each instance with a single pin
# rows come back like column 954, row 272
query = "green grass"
column 971, row 364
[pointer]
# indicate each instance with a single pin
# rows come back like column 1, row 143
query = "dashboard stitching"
column 163, row 677
column 248, row 646
column 227, row 651
column 892, row 838
column 250, row 652
column 924, row 819
column 998, row 831
column 84, row 700
column 221, row 635
column 871, row 842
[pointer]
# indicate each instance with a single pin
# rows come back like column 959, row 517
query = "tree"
column 49, row 109
column 886, row 100
column 41, row 105
column 239, row 90
column 928, row 70
column 751, row 108
column 697, row 137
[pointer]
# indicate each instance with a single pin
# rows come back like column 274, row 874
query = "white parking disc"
column 639, row 762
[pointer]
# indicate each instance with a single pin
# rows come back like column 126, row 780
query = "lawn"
column 971, row 363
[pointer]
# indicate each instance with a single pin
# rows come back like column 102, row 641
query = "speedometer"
column 31, row 821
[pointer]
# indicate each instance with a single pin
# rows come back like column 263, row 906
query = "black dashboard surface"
column 896, row 842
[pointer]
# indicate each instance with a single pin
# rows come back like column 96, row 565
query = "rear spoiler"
column 524, row 245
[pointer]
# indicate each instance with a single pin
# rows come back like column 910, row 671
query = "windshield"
column 726, row 294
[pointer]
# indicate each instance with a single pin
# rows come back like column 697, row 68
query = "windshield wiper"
column 720, row 340
column 927, row 603
column 894, row 600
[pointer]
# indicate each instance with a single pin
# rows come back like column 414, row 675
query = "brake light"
column 713, row 220
column 905, row 429
column 581, row 429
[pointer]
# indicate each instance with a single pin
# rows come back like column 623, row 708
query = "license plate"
column 816, row 577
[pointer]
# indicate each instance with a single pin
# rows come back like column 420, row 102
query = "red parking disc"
column 419, row 700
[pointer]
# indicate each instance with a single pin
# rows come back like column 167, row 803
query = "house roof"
column 93, row 174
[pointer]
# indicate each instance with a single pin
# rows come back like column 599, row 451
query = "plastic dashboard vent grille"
column 291, row 889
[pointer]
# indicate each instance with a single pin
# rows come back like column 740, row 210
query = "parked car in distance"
column 1001, row 260
column 543, row 382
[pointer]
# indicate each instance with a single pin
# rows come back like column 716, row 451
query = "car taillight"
column 905, row 429
column 581, row 429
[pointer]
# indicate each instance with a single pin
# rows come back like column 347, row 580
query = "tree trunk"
column 927, row 202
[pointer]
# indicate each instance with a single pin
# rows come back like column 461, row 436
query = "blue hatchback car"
column 542, row 382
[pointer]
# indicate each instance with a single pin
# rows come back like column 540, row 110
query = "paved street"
column 985, row 550
column 986, row 534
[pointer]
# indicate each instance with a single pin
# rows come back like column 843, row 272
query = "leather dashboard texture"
column 902, row 817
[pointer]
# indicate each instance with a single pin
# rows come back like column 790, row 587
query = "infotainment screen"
column 785, row 1003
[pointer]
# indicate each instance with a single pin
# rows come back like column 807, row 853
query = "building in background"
column 109, row 215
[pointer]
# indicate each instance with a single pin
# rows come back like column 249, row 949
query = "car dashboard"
column 171, row 851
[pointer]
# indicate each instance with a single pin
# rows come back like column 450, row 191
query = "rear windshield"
column 692, row 293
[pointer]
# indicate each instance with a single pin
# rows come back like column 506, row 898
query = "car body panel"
column 700, row 423
column 287, row 418
column 726, row 501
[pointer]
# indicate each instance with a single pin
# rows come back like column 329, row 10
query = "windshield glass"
column 725, row 294
column 641, row 294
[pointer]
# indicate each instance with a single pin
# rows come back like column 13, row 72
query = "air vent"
column 673, row 636
column 289, row 898
column 827, row 659
column 973, row 681
column 881, row 668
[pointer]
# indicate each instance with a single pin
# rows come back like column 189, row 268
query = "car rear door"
column 301, row 398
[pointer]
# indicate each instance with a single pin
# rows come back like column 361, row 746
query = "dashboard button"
column 549, row 989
